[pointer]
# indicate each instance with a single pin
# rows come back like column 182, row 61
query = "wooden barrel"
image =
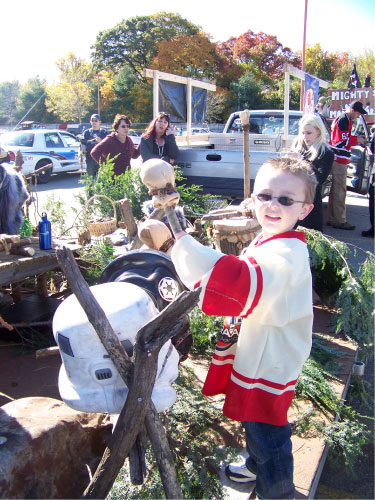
column 232, row 235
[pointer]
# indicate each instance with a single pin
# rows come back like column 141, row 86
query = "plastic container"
column 45, row 233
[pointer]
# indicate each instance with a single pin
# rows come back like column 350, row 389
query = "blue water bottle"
column 45, row 235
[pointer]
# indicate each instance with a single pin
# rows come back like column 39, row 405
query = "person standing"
column 117, row 145
column 269, row 287
column 341, row 143
column 371, row 192
column 158, row 141
column 311, row 146
column 91, row 137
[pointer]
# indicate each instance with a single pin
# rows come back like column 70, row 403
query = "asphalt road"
column 62, row 187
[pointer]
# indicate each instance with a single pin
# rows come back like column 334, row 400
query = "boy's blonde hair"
column 295, row 166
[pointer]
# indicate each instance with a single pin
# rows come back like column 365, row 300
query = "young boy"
column 269, row 287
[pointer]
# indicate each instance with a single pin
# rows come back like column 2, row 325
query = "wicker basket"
column 101, row 228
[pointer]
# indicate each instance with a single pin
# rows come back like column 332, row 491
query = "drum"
column 231, row 236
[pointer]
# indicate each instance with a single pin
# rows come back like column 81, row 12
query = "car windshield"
column 70, row 140
column 18, row 139
column 268, row 124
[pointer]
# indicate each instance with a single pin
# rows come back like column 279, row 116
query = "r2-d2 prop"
column 88, row 380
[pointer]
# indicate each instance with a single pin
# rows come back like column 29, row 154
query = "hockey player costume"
column 269, row 287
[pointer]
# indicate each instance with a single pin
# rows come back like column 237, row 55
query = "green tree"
column 246, row 93
column 274, row 99
column 29, row 94
column 9, row 92
column 128, row 95
column 133, row 41
column 72, row 98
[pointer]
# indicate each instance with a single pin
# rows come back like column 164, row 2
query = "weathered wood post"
column 127, row 215
column 245, row 121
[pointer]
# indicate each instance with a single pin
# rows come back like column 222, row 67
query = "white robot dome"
column 127, row 307
column 88, row 379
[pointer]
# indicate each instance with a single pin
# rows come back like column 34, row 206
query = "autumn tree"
column 321, row 63
column 365, row 63
column 187, row 55
column 134, row 41
column 71, row 99
column 262, row 54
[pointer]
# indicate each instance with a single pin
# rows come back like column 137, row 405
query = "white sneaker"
column 239, row 473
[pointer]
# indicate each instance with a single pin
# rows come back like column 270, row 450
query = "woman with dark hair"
column 117, row 145
column 158, row 141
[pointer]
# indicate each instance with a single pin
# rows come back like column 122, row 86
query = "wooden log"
column 23, row 251
column 139, row 379
column 13, row 240
column 127, row 215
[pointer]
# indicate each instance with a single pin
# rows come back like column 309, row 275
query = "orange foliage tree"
column 187, row 55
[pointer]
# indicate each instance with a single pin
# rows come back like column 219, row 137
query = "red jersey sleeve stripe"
column 226, row 289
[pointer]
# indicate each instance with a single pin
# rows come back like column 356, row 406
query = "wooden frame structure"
column 189, row 82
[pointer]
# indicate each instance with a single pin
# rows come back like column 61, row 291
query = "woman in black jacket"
column 158, row 141
column 311, row 145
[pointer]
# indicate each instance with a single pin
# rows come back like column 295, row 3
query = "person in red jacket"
column 117, row 145
column 341, row 143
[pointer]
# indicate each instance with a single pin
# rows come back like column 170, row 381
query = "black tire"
column 45, row 176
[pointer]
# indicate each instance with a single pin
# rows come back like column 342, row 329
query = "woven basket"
column 100, row 228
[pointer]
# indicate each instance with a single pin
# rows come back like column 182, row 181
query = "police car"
column 43, row 147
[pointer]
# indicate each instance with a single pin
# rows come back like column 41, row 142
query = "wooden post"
column 127, row 215
column 245, row 121
column 188, row 110
column 41, row 285
column 139, row 377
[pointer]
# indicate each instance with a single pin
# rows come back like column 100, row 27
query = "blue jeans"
column 270, row 458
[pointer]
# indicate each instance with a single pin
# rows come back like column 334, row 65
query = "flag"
column 354, row 79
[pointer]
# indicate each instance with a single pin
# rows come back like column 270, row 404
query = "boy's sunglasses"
column 283, row 200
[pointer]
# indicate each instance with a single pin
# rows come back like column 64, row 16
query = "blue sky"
column 36, row 33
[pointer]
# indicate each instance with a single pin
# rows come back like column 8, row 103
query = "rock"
column 46, row 448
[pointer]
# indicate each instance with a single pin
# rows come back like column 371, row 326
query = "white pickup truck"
column 215, row 160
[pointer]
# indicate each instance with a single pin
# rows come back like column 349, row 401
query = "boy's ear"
column 306, row 209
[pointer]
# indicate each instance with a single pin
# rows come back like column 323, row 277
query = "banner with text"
column 341, row 98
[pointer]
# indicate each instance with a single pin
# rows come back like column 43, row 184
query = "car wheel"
column 45, row 176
